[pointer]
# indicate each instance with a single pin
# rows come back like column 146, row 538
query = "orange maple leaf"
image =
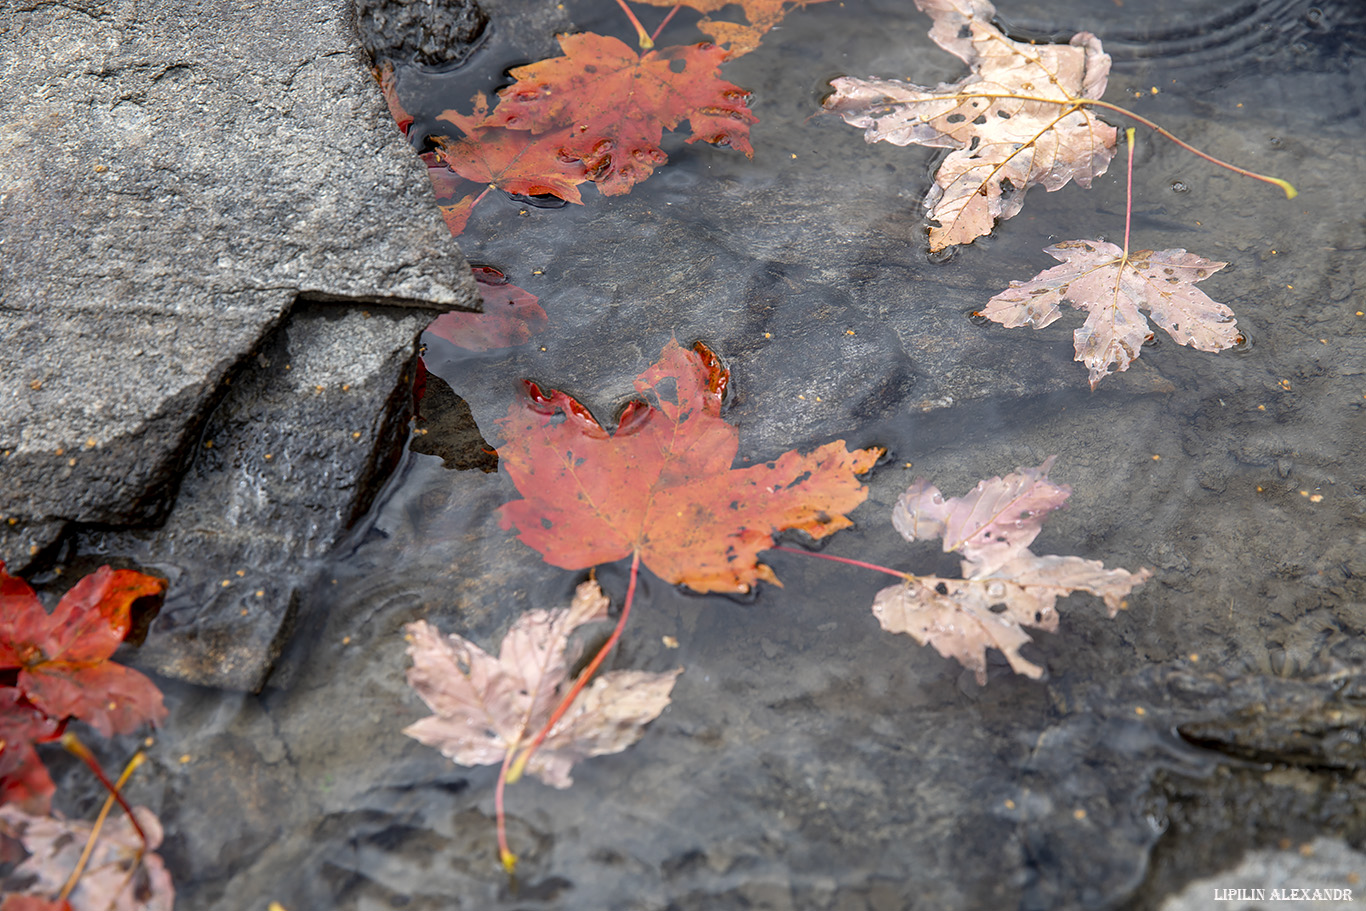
column 662, row 485
column 510, row 160
column 614, row 105
column 597, row 114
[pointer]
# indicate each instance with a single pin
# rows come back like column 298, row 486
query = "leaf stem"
column 655, row 36
column 873, row 566
column 1285, row 185
column 1129, row 192
column 646, row 42
column 520, row 763
column 74, row 746
column 504, row 852
column 513, row 767
column 128, row 770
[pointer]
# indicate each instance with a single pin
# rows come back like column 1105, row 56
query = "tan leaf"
column 1006, row 587
column 990, row 525
column 485, row 707
column 955, row 616
column 1001, row 145
column 119, row 876
column 741, row 37
column 1097, row 277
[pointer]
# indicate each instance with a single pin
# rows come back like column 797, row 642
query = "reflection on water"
column 810, row 760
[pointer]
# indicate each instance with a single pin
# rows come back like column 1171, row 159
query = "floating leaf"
column 662, row 484
column 1013, row 123
column 1113, row 288
column 488, row 708
column 1005, row 587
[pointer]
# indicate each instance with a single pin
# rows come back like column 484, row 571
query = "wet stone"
column 307, row 430
column 173, row 177
column 446, row 428
column 430, row 34
column 226, row 781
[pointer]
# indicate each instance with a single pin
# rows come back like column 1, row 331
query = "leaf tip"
column 765, row 573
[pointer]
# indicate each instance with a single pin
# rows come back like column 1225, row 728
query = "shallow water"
column 809, row 759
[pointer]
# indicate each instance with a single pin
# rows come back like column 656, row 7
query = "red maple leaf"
column 597, row 114
column 62, row 658
column 16, row 902
column 511, row 316
column 23, row 777
column 510, row 160
column 616, row 104
column 662, row 486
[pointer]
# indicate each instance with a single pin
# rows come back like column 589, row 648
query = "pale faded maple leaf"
column 121, row 875
column 1005, row 586
column 741, row 38
column 1001, row 146
column 1114, row 289
column 609, row 105
column 662, row 486
column 487, row 708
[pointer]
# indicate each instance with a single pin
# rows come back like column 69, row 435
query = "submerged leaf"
column 662, row 484
column 511, row 316
column 615, row 104
column 23, row 777
column 487, row 708
column 62, row 657
column 1114, row 288
column 741, row 37
column 120, row 876
column 597, row 114
column 1001, row 145
column 1006, row 587
column 989, row 526
column 511, row 160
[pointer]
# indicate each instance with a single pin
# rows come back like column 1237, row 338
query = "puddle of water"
column 809, row 759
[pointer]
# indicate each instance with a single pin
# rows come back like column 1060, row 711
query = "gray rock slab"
column 308, row 429
column 173, row 177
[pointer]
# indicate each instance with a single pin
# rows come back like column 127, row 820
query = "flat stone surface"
column 172, row 177
column 308, row 429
